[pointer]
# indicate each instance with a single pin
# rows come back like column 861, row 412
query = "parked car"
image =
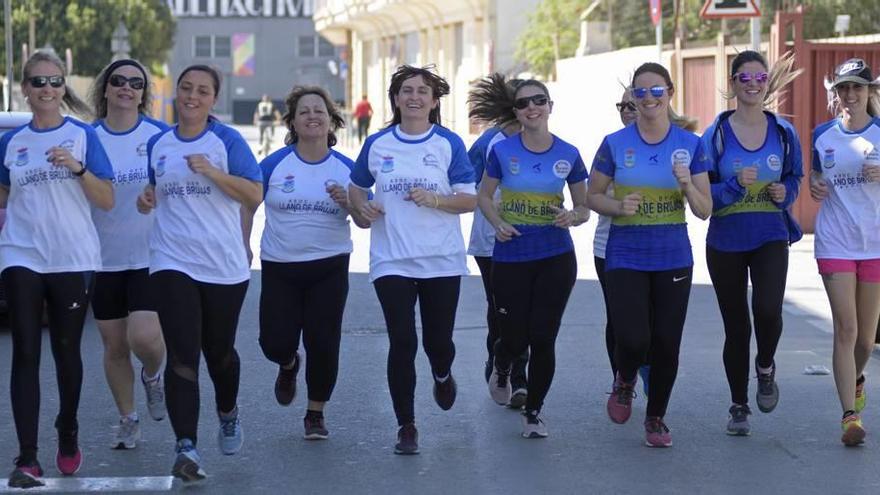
column 9, row 121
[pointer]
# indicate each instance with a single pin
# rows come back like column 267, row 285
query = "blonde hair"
column 99, row 87
column 70, row 100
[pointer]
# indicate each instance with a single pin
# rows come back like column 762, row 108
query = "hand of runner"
column 818, row 188
column 422, row 197
column 338, row 194
column 371, row 210
column 564, row 218
column 200, row 164
column 629, row 205
column 682, row 174
column 747, row 176
column 146, row 201
column 777, row 191
column 505, row 232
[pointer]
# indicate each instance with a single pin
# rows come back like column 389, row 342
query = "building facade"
column 465, row 39
column 259, row 46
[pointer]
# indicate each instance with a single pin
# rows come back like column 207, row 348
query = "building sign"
column 241, row 8
column 719, row 9
column 243, row 54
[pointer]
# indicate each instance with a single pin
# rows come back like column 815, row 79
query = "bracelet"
column 81, row 172
column 436, row 201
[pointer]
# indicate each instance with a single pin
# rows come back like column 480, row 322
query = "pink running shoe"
column 620, row 400
column 69, row 457
column 656, row 433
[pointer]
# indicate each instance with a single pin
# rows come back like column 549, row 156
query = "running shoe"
column 738, row 423
column 619, row 405
column 285, row 383
column 518, row 398
column 444, row 392
column 499, row 385
column 313, row 424
column 407, row 440
column 487, row 370
column 155, row 390
column 853, row 431
column 532, row 425
column 656, row 433
column 230, row 436
column 645, row 373
column 861, row 398
column 128, row 434
column 768, row 392
column 27, row 474
column 68, row 458
column 187, row 463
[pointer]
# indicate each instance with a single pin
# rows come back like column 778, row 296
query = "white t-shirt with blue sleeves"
column 197, row 229
column 482, row 241
column 123, row 231
column 303, row 223
column 408, row 240
column 49, row 226
column 848, row 222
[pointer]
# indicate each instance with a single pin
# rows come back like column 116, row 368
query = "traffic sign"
column 718, row 9
column 656, row 11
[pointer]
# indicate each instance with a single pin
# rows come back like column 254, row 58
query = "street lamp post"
column 119, row 42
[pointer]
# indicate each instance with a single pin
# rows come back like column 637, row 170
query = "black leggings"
column 438, row 301
column 518, row 373
column 197, row 317
column 531, row 297
column 66, row 296
column 599, row 263
column 648, row 310
column 305, row 298
column 767, row 267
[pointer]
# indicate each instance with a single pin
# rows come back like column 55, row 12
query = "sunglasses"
column 40, row 81
column 118, row 81
column 538, row 100
column 745, row 77
column 656, row 92
column 625, row 105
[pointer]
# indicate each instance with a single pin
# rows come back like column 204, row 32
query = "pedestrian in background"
column 54, row 169
column 363, row 113
column 201, row 174
column 305, row 251
column 846, row 180
column 423, row 182
column 124, row 305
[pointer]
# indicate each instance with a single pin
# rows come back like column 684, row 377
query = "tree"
column 86, row 26
column 552, row 33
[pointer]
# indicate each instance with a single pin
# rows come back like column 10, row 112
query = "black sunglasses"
column 538, row 100
column 625, row 105
column 118, row 81
column 40, row 81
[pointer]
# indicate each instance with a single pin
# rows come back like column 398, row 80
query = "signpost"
column 657, row 18
column 726, row 9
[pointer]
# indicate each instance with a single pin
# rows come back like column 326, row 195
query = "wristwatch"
column 81, row 172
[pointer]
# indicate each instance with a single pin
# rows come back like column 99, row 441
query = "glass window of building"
column 325, row 48
column 222, row 46
column 202, row 45
column 306, row 46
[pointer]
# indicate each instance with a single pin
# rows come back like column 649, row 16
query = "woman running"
column 654, row 166
column 483, row 100
column 305, row 251
column 755, row 175
column 124, row 306
column 533, row 263
column 423, row 181
column 54, row 169
column 846, row 180
column 201, row 174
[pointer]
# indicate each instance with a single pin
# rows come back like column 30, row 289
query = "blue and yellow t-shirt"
column 531, row 184
column 655, row 238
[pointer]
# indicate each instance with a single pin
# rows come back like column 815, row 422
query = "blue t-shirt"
column 532, row 183
column 743, row 218
column 478, row 154
column 655, row 238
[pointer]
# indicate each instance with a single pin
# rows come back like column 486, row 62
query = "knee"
column 865, row 345
column 275, row 352
column 768, row 313
column 404, row 345
column 633, row 345
column 845, row 334
column 116, row 351
column 182, row 371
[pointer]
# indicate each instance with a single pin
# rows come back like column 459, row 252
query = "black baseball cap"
column 854, row 70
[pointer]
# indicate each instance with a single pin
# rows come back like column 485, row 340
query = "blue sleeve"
column 477, row 156
column 817, row 160
column 700, row 162
column 493, row 167
column 360, row 174
column 793, row 169
column 578, row 171
column 4, row 172
column 460, row 170
column 241, row 160
column 268, row 165
column 604, row 159
column 151, row 173
column 96, row 158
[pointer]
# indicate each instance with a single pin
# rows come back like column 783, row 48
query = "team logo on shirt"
column 629, row 157
column 681, row 156
column 21, row 159
column 513, row 165
column 160, row 166
column 387, row 164
column 774, row 163
column 142, row 149
column 536, row 168
column 561, row 169
column 828, row 158
column 67, row 144
column 430, row 160
column 289, row 184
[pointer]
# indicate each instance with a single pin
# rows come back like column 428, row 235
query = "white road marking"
column 122, row 484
